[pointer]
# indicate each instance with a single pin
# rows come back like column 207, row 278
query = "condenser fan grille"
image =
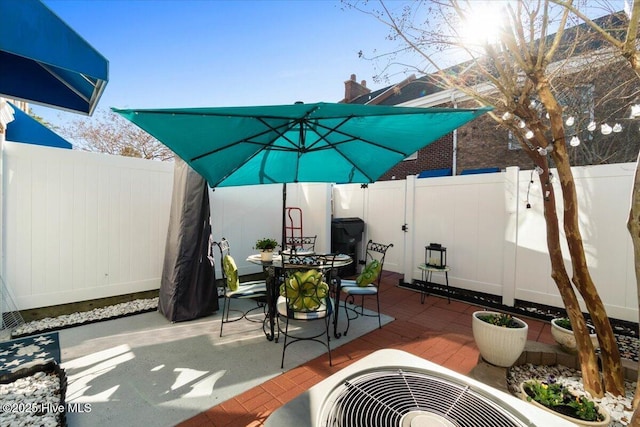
column 398, row 398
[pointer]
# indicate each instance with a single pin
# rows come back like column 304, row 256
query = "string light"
column 522, row 124
column 592, row 126
column 543, row 151
column 539, row 170
column 575, row 141
column 605, row 129
column 506, row 116
column 617, row 128
column 529, row 134
column 570, row 121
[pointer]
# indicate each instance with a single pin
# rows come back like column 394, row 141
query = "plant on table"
column 266, row 244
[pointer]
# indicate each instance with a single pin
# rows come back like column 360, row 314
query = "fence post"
column 512, row 205
column 409, row 209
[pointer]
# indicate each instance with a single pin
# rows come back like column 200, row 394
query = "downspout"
column 454, row 164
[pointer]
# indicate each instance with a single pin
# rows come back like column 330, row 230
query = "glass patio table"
column 274, row 272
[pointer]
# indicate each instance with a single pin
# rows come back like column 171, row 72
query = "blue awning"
column 26, row 129
column 43, row 60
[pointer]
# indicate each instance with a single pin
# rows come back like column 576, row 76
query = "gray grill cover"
column 187, row 288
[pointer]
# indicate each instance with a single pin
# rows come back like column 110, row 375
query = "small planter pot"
column 566, row 339
column 577, row 421
column 499, row 345
column 266, row 255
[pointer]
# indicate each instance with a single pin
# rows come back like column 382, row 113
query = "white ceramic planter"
column 499, row 345
column 606, row 417
column 266, row 255
column 566, row 339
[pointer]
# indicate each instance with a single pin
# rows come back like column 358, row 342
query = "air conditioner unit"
column 396, row 388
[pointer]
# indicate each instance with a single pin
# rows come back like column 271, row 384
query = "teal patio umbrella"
column 322, row 142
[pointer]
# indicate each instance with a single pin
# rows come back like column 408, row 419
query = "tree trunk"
column 611, row 364
column 633, row 225
column 586, row 352
column 635, row 418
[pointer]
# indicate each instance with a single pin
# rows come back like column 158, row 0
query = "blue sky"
column 192, row 53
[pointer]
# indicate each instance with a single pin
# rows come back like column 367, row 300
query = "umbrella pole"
column 284, row 210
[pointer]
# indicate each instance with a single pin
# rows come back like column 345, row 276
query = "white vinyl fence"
column 495, row 244
column 79, row 226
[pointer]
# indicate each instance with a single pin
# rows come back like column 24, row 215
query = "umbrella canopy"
column 43, row 60
column 323, row 142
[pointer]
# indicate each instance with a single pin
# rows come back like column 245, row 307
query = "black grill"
column 383, row 397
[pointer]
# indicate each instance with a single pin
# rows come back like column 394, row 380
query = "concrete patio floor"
column 436, row 330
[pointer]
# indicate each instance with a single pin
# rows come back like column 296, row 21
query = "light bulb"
column 605, row 129
column 570, row 121
column 506, row 116
column 539, row 170
column 575, row 141
column 533, row 104
column 542, row 151
column 592, row 126
column 529, row 134
column 617, row 128
column 522, row 124
column 635, row 111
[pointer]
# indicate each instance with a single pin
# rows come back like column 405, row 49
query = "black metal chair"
column 306, row 244
column 305, row 297
column 367, row 283
column 234, row 289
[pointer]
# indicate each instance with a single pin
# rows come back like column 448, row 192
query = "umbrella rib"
column 336, row 129
column 266, row 147
column 335, row 146
column 247, row 140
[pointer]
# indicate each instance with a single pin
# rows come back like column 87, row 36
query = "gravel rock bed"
column 34, row 396
column 619, row 407
column 96, row 315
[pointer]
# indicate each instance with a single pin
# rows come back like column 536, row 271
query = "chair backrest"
column 377, row 252
column 306, row 282
column 296, row 243
column 227, row 264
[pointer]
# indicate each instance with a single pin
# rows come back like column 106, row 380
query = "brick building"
column 476, row 145
column 606, row 90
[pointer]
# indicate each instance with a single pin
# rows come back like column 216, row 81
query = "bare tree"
column 624, row 41
column 106, row 132
column 520, row 73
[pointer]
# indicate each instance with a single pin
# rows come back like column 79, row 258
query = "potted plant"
column 266, row 246
column 500, row 337
column 559, row 399
column 563, row 334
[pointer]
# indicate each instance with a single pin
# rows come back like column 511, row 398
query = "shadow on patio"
column 436, row 331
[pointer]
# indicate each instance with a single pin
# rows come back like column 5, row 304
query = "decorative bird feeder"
column 435, row 255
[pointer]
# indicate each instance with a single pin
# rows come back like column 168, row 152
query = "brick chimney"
column 353, row 89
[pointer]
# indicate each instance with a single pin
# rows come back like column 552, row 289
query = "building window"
column 513, row 143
